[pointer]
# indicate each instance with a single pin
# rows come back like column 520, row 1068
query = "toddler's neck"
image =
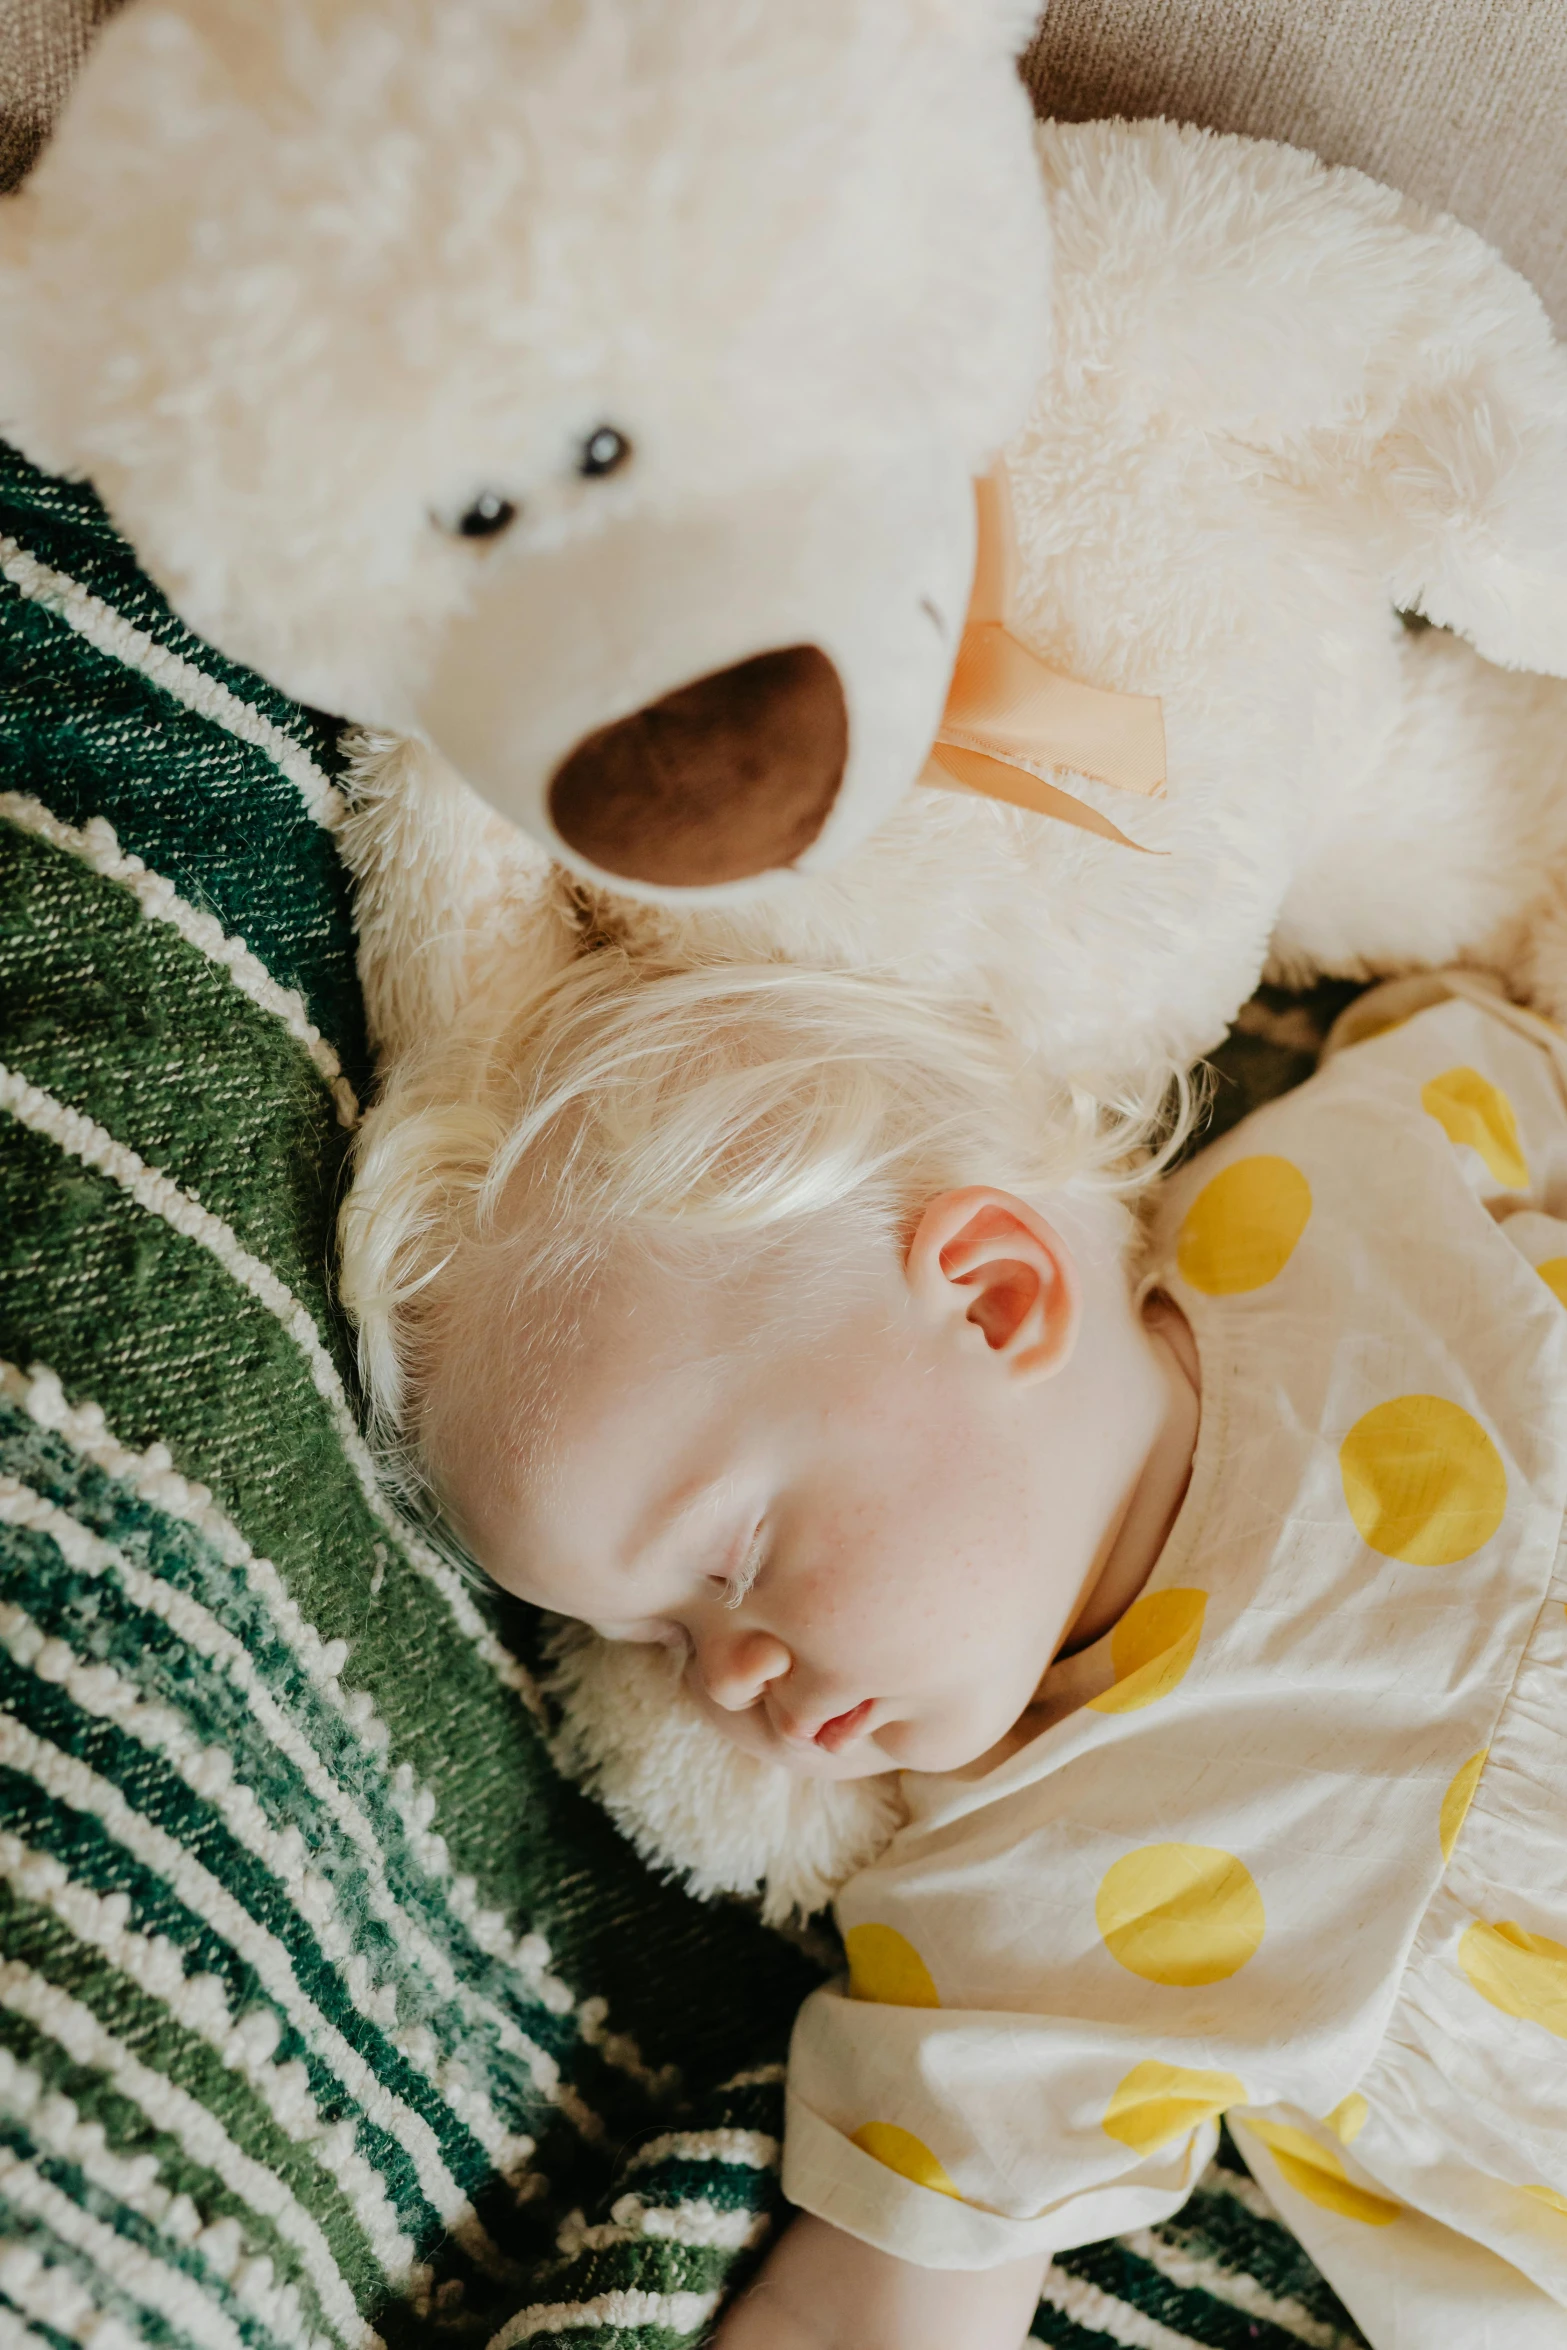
column 1138, row 1538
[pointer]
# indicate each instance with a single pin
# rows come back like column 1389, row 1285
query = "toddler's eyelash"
column 736, row 1588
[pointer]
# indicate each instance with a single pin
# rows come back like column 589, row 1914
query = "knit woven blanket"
column 328, row 2010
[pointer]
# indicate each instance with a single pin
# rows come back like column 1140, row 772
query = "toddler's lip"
column 828, row 1735
column 834, row 1735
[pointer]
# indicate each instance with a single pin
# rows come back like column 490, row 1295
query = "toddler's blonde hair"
column 709, row 1111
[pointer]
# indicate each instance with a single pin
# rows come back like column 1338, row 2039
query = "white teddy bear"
column 717, row 310
column 597, row 389
column 1282, row 405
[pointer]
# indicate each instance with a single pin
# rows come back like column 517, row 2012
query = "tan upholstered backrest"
column 1461, row 103
column 42, row 42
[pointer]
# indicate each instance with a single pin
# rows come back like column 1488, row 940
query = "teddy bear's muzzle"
column 704, row 704
column 732, row 775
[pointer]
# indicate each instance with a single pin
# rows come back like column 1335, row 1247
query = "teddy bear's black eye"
column 604, row 451
column 487, row 517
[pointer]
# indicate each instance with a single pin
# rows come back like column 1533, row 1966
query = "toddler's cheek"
column 667, row 1636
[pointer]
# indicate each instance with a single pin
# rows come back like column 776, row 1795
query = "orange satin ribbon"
column 1011, row 720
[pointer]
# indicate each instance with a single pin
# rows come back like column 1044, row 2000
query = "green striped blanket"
column 327, row 2010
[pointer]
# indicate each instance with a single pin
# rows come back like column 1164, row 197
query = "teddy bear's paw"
column 1530, row 954
column 690, row 1801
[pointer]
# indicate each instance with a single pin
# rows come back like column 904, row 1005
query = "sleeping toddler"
column 1204, row 1581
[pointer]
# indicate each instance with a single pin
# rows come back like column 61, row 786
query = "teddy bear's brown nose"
column 731, row 775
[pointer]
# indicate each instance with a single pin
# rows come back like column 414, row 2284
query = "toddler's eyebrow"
column 668, row 1516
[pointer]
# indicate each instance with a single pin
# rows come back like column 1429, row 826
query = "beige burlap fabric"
column 42, row 42
column 1462, row 103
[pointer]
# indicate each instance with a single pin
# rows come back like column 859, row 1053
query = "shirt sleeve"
column 1493, row 1078
column 946, row 2136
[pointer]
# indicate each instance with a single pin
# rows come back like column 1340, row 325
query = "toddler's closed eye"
column 738, row 1585
column 648, row 1635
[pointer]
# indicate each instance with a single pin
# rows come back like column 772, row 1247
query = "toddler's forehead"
column 678, row 1311
column 659, row 1326
column 725, row 1296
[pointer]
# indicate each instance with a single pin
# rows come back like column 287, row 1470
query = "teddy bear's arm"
column 1379, row 363
column 1466, row 489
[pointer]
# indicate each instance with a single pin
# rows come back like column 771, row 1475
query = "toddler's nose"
column 735, row 1667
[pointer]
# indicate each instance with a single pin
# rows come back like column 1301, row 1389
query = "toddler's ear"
column 986, row 1261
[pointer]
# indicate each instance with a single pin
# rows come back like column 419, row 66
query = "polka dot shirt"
column 1290, row 1842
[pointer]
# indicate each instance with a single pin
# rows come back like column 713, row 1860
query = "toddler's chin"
column 974, row 1738
column 865, row 1761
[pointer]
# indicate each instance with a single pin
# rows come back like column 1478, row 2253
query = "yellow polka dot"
column 1470, row 1109
column 1240, row 1231
column 1554, row 1274
column 1348, row 2118
column 1151, row 1647
column 1315, row 2171
column 1423, row 1481
column 1180, row 1913
column 1523, row 1974
column 1456, row 1802
column 1549, row 2197
column 909, row 2156
column 1158, row 2102
column 886, row 1967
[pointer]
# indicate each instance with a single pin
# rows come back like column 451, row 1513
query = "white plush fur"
column 1283, row 404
